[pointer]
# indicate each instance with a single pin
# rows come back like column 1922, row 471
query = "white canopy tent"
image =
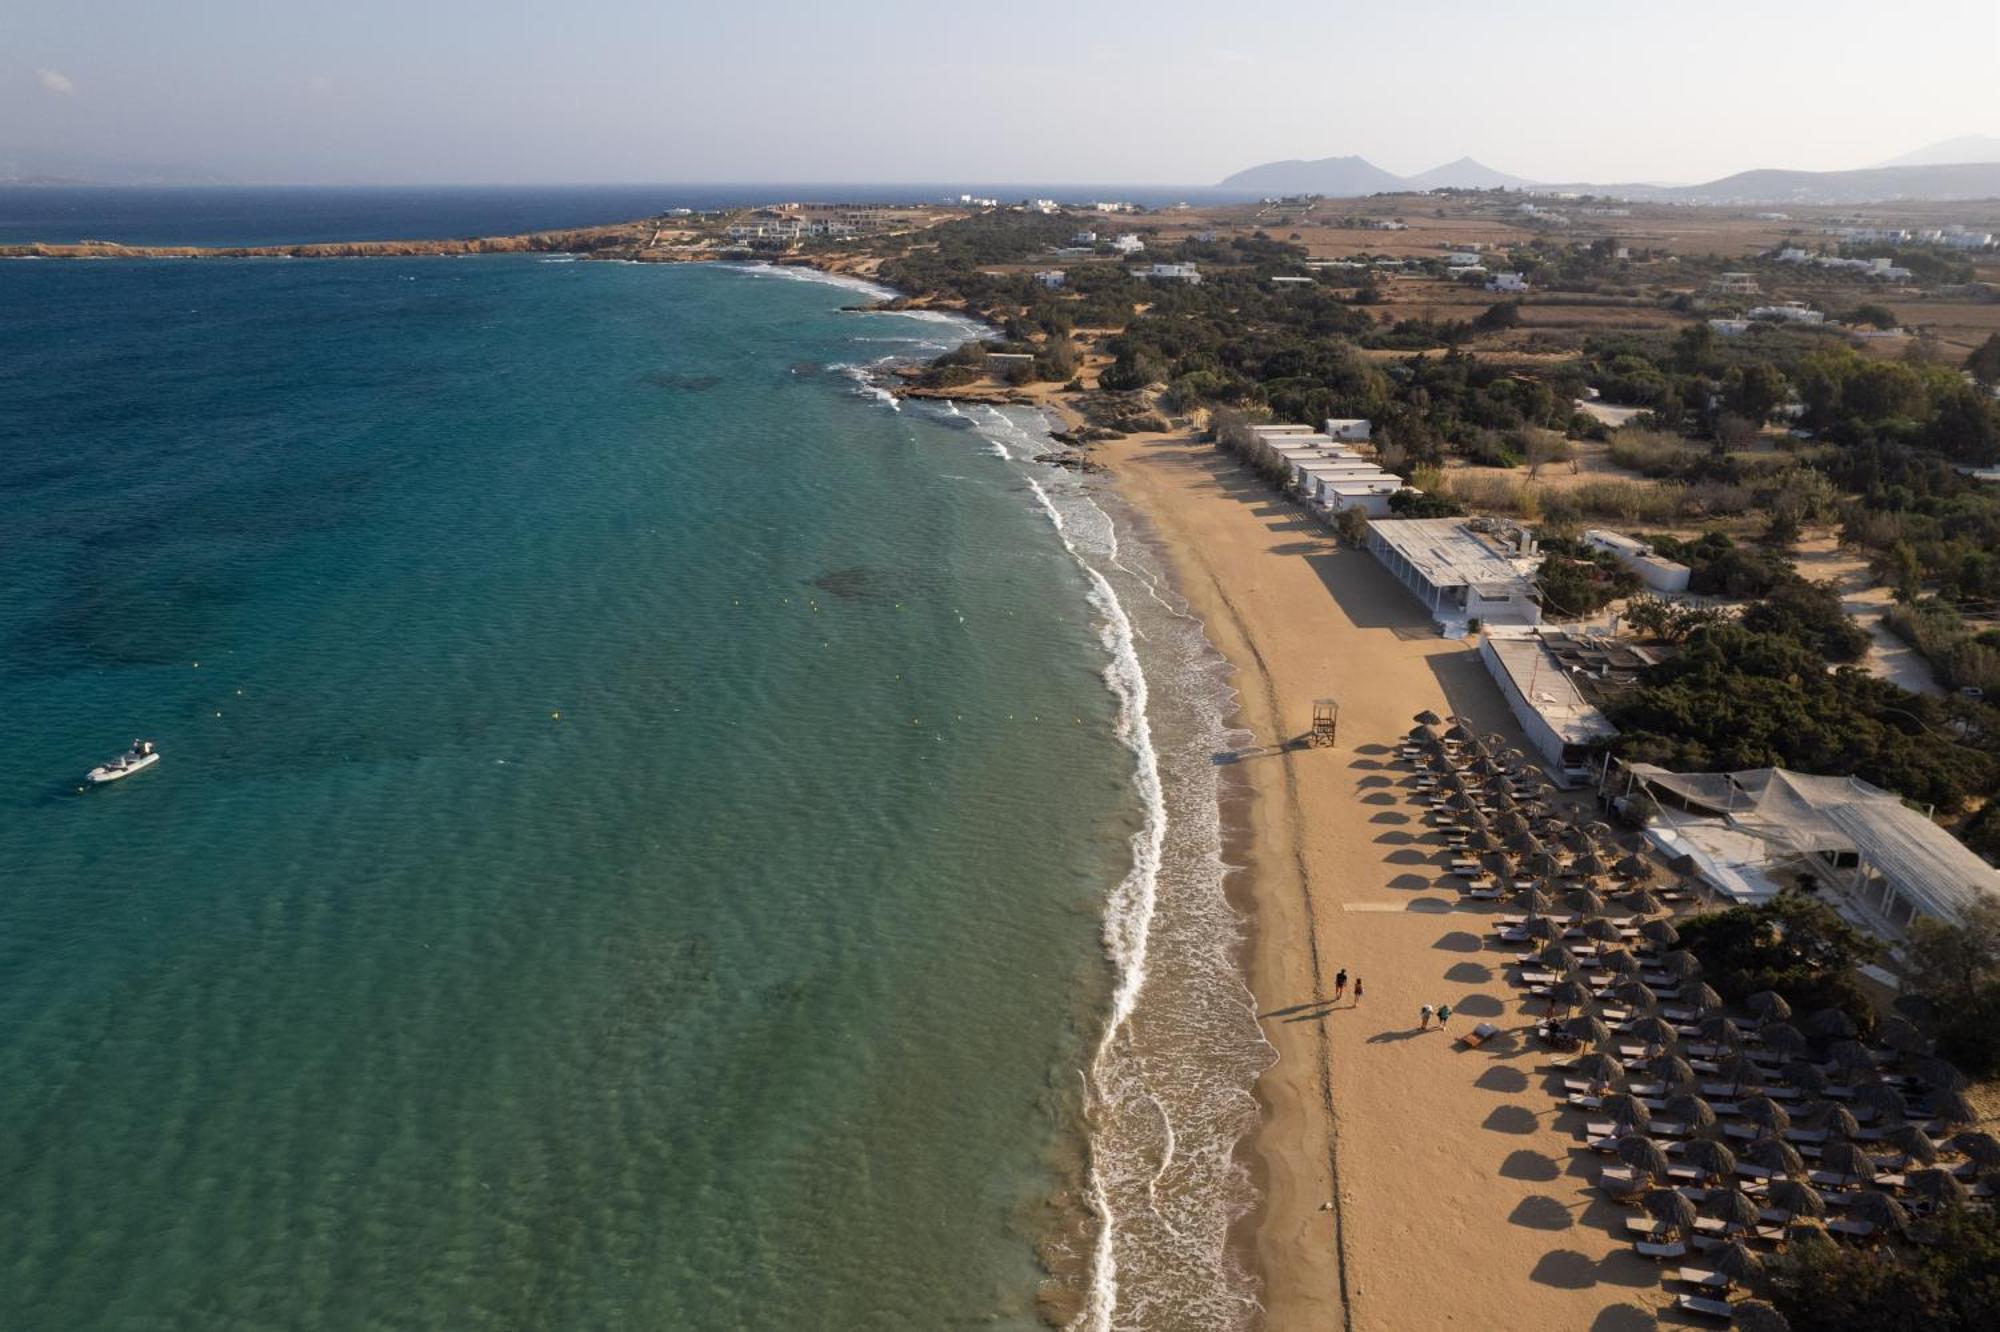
column 1904, row 864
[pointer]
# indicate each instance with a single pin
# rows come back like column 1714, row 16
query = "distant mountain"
column 1963, row 180
column 1338, row 177
column 1965, row 148
column 29, row 166
column 1464, row 174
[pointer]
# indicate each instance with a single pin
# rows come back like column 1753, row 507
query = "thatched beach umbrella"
column 1635, row 994
column 1588, row 1029
column 1901, row 1035
column 1829, row 1024
column 1634, row 867
column 1555, row 955
column 1782, row 1038
column 1766, row 1113
column 1628, row 1111
column 1852, row 1057
column 1681, row 965
column 1541, row 927
column 1769, row 1006
column 1951, row 1109
column 1672, row 1210
column 1742, row 1071
column 1758, row 1316
column 1600, row 930
column 1704, row 1000
column 1884, row 1101
column 1534, row 901
column 1619, row 962
column 1586, row 903
column 1544, row 862
column 1880, row 1211
column 1940, row 1073
column 1738, row 1262
column 1805, row 1075
column 1600, row 1069
column 1735, row 1209
column 1691, row 1110
column 1982, row 1149
column 1795, row 1198
column 1913, row 1143
column 1645, row 904
column 1673, row 1071
column 1937, row 1187
column 1457, row 732
column 1428, row 718
column 1837, row 1120
column 1776, row 1154
column 1590, row 865
column 1567, row 994
column 1660, row 933
column 1848, row 1161
column 1712, row 1158
column 1640, row 1152
column 1515, row 829
column 1655, row 1031
column 1718, row 1027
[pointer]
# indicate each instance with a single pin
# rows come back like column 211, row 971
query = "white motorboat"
column 138, row 758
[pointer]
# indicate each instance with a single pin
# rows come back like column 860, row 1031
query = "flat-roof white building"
column 1170, row 273
column 1127, row 244
column 1660, row 574
column 1347, row 427
column 1792, row 312
column 1542, row 690
column 1052, row 278
column 1457, row 573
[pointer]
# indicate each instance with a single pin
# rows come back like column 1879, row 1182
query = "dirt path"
column 1823, row 560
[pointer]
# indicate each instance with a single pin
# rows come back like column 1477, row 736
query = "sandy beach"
column 1457, row 1198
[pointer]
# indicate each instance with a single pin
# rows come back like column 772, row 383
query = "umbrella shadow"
column 1538, row 1211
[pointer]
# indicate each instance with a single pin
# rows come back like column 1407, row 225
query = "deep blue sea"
column 651, row 834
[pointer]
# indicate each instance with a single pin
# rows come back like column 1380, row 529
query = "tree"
column 1956, row 968
column 1793, row 944
column 1984, row 363
column 1352, row 524
column 1876, row 316
column 1812, row 614
column 1755, row 390
column 1949, row 1283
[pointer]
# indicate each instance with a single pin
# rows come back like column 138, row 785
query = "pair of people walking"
column 1340, row 986
column 1424, row 1015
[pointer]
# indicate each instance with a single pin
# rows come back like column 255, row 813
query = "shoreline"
column 1403, row 1182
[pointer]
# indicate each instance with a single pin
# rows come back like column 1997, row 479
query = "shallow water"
column 635, row 826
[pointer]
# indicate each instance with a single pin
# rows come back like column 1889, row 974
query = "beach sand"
column 1462, row 1199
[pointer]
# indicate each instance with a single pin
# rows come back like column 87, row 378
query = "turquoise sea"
column 651, row 834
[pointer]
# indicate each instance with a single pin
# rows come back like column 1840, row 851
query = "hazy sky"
column 1088, row 91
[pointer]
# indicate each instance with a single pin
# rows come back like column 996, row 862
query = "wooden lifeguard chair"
column 1326, row 722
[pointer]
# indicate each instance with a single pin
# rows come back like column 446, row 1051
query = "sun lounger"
column 1480, row 894
column 1707, row 1308
column 1854, row 1229
column 1659, row 1252
column 1698, row 1276
column 1478, row 1036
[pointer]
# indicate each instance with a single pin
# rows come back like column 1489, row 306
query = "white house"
column 1662, row 575
column 1791, row 312
column 1084, row 238
column 1506, row 282
column 1127, row 243
column 1462, row 259
column 1458, row 574
column 1349, row 428
column 1170, row 273
column 1286, row 281
column 1052, row 278
column 1555, row 716
column 1730, row 328
column 1739, row 284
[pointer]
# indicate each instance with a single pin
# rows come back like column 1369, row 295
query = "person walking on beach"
column 1340, row 985
column 1357, row 991
column 1424, row 1018
column 1444, row 1015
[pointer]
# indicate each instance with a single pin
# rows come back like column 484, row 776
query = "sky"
column 1076, row 91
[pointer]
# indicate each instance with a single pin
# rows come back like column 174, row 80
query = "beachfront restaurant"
column 1546, row 695
column 1747, row 832
column 1460, row 575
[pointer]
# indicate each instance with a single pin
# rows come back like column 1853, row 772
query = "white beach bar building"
column 1656, row 572
column 1541, row 689
column 1459, row 574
